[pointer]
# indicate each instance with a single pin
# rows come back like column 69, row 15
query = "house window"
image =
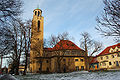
column 38, row 25
column 118, row 54
column 114, row 62
column 106, row 57
column 47, row 61
column 76, row 59
column 111, row 51
column 117, row 50
column 77, row 68
column 81, row 60
column 110, row 63
column 112, row 56
column 104, row 64
column 101, row 58
column 82, row 67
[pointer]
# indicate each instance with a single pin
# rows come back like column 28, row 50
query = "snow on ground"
column 114, row 75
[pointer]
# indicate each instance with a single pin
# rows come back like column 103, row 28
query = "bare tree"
column 27, row 41
column 9, row 10
column 16, row 30
column 109, row 23
column 53, row 40
column 89, row 46
column 15, row 42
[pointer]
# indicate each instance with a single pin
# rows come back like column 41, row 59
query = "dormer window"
column 38, row 26
column 111, row 50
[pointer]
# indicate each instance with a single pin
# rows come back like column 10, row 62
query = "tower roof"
column 37, row 9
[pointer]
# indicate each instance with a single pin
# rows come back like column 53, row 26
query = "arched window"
column 35, row 12
column 38, row 25
column 38, row 13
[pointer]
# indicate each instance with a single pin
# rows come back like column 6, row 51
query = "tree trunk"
column 17, row 67
column 26, row 55
column 86, row 56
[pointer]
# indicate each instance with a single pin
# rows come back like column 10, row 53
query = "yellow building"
column 65, row 56
column 110, row 57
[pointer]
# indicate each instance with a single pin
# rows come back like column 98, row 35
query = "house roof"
column 106, row 50
column 64, row 45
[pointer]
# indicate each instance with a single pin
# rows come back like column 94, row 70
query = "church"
column 65, row 56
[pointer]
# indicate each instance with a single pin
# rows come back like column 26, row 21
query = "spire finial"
column 38, row 6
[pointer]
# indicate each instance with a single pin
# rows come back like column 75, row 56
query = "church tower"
column 36, row 39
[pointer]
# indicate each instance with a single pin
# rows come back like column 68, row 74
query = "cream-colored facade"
column 66, row 61
column 110, row 60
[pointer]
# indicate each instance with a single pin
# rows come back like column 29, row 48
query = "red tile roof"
column 64, row 44
column 106, row 51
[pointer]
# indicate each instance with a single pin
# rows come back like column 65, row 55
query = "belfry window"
column 35, row 12
column 38, row 13
column 38, row 26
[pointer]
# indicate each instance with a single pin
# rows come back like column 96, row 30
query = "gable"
column 110, row 49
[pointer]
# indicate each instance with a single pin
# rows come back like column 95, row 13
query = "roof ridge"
column 67, row 46
column 108, row 48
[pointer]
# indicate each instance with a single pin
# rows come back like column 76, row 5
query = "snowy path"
column 74, row 76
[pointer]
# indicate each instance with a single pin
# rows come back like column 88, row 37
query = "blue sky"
column 73, row 16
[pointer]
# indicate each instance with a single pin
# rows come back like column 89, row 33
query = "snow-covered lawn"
column 114, row 75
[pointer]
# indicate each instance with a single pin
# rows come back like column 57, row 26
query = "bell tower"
column 36, row 39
